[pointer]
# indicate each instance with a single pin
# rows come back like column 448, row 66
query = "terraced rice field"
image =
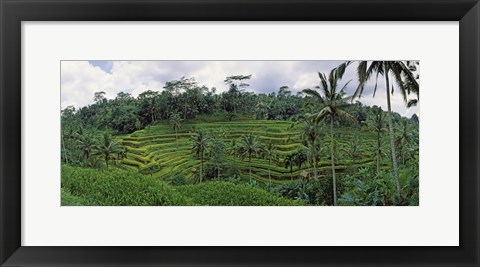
column 153, row 151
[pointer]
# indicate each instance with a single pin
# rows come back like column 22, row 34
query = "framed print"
column 268, row 133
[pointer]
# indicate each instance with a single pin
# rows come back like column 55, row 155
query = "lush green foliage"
column 243, row 148
column 119, row 188
column 127, row 188
column 218, row 193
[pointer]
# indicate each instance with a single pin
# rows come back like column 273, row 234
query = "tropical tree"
column 270, row 153
column 250, row 147
column 403, row 140
column 107, row 148
column 148, row 104
column 333, row 104
column 233, row 149
column 289, row 161
column 406, row 83
column 353, row 149
column 261, row 111
column 86, row 145
column 99, row 96
column 217, row 153
column 199, row 145
column 175, row 121
column 377, row 122
column 311, row 134
column 300, row 157
column 237, row 84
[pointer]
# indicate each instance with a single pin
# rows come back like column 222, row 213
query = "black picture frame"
column 13, row 12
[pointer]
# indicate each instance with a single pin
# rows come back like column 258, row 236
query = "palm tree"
column 404, row 139
column 407, row 84
column 233, row 149
column 333, row 104
column 200, row 143
column 250, row 147
column 299, row 158
column 270, row 153
column 217, row 153
column 86, row 144
column 107, row 148
column 175, row 121
column 311, row 135
column 377, row 123
column 353, row 149
column 289, row 161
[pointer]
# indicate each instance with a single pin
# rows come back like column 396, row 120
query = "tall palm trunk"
column 234, row 104
column 201, row 166
column 269, row 175
column 392, row 137
column 106, row 161
column 250, row 166
column 378, row 152
column 333, row 164
column 315, row 174
column 176, row 135
column 64, row 150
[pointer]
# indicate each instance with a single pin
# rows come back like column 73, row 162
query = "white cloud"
column 80, row 79
column 396, row 101
column 79, row 82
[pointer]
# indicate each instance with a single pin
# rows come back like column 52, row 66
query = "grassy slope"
column 153, row 151
column 114, row 187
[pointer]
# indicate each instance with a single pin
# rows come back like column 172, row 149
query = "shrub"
column 369, row 189
column 220, row 193
column 118, row 188
column 67, row 199
column 310, row 191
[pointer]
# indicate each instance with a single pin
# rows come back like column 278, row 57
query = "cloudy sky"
column 81, row 79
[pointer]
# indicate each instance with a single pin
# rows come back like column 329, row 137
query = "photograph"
column 239, row 133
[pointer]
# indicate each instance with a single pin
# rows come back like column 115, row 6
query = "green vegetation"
column 190, row 146
column 128, row 188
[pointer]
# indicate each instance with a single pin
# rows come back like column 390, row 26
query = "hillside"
column 115, row 187
column 153, row 151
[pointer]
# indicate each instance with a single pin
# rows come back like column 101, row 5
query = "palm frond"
column 376, row 85
column 409, row 77
column 313, row 93
column 341, row 69
column 322, row 114
column 343, row 114
column 412, row 103
column 323, row 82
column 396, row 70
column 345, row 86
column 364, row 72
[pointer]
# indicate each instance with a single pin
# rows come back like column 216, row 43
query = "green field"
column 116, row 187
column 154, row 152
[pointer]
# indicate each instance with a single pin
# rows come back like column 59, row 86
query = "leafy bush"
column 128, row 188
column 310, row 191
column 118, row 188
column 67, row 199
column 219, row 193
column 367, row 188
column 178, row 179
column 411, row 189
